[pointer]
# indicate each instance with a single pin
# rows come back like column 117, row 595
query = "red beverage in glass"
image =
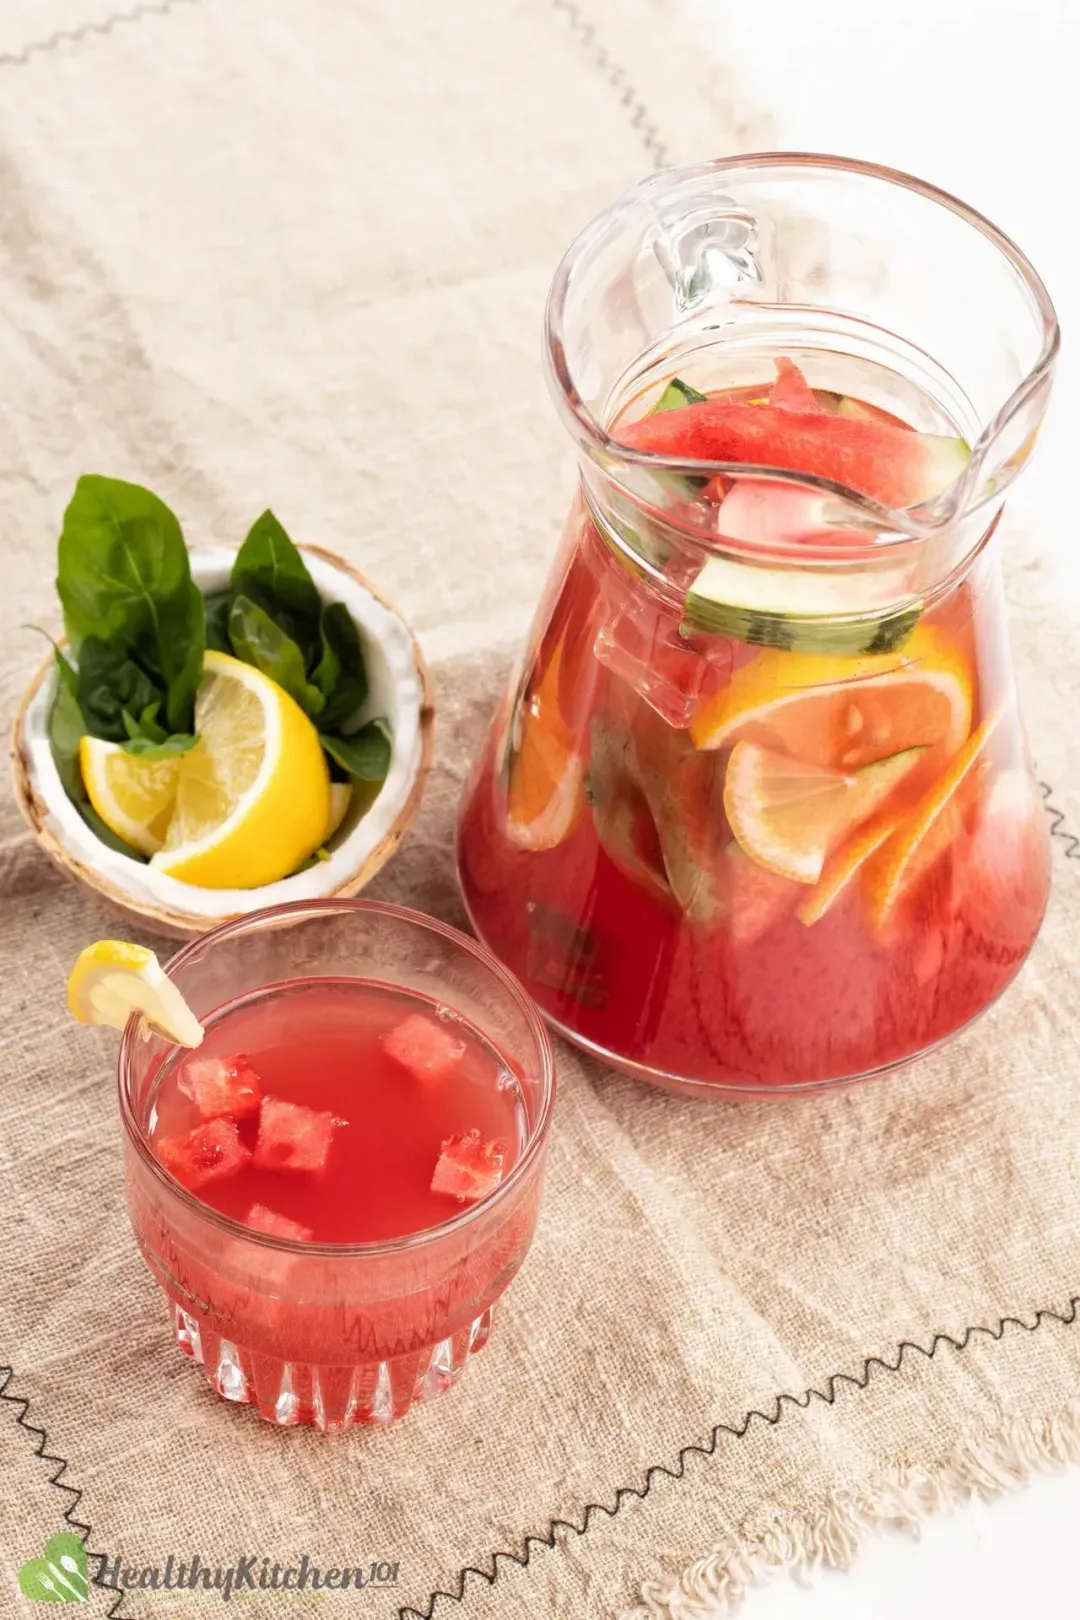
column 334, row 1189
column 326, row 1048
column 758, row 811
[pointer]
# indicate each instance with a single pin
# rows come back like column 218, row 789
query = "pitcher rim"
column 913, row 523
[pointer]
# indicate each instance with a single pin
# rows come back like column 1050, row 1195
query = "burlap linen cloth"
column 296, row 254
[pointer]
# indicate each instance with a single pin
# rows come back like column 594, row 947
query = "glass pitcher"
column 758, row 810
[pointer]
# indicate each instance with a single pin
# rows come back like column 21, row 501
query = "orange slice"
column 841, row 868
column 545, row 787
column 788, row 815
column 842, row 712
column 924, row 835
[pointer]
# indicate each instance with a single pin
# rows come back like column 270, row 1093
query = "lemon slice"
column 340, row 798
column 253, row 795
column 789, row 816
column 113, row 979
column 133, row 796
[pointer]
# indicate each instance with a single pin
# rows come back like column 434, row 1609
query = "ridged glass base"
column 329, row 1398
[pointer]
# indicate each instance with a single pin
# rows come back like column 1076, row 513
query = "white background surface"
column 982, row 98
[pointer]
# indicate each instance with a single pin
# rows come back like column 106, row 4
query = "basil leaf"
column 147, row 748
column 66, row 728
column 217, row 621
column 124, row 578
column 258, row 640
column 148, row 723
column 146, row 732
column 183, row 625
column 110, row 682
column 366, row 754
column 340, row 674
column 270, row 572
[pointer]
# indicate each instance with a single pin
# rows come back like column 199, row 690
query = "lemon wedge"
column 253, row 795
column 340, row 799
column 113, row 979
column 133, row 796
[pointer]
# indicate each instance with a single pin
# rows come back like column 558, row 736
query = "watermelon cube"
column 428, row 1049
column 292, row 1137
column 468, row 1169
column 221, row 1087
column 207, row 1153
column 261, row 1219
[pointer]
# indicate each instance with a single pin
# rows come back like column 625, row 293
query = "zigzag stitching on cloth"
column 592, row 1510
column 57, row 1478
column 654, row 144
column 827, row 1395
column 73, row 36
column 1058, row 828
column 619, row 81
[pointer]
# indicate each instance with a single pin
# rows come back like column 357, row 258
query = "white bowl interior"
column 395, row 692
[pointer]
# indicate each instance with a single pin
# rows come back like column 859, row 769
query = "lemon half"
column 253, row 795
column 133, row 796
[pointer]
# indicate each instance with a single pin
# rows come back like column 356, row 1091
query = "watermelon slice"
column 261, row 1219
column 292, row 1137
column 468, row 1169
column 791, row 391
column 208, row 1153
column 764, row 511
column 429, row 1050
column 889, row 464
column 221, row 1088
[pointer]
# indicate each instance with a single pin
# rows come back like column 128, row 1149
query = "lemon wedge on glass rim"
column 113, row 979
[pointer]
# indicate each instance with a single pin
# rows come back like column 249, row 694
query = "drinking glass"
column 332, row 1334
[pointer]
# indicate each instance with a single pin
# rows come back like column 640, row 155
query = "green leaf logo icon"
column 59, row 1577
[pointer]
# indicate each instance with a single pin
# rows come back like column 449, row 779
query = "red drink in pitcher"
column 759, row 810
column 336, row 1186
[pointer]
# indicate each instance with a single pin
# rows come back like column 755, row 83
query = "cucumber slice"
column 857, row 410
column 798, row 611
column 676, row 395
